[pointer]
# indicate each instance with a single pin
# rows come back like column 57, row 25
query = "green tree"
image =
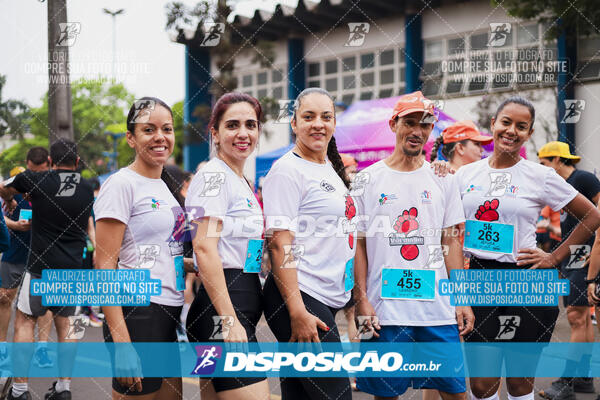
column 13, row 115
column 179, row 136
column 574, row 15
column 180, row 16
column 96, row 105
column 15, row 155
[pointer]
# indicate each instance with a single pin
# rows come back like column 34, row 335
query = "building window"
column 431, row 87
column 331, row 67
column 386, row 57
column 367, row 60
column 278, row 93
column 264, row 82
column 588, row 65
column 377, row 73
column 348, row 99
column 367, row 79
column 348, row 82
column 386, row 77
column 276, row 76
column 349, row 63
column 469, row 65
column 331, row 84
column 527, row 34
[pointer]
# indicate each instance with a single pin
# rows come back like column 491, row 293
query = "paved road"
column 100, row 388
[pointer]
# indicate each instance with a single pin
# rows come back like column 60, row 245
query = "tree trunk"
column 60, row 37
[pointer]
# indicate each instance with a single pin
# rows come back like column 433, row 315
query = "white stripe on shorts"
column 23, row 301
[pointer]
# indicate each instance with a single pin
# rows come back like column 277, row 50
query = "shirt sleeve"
column 557, row 193
column 454, row 211
column 208, row 191
column 115, row 200
column 591, row 185
column 281, row 197
column 25, row 182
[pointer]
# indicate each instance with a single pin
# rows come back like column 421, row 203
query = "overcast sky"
column 149, row 64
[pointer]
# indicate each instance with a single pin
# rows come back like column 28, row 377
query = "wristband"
column 594, row 280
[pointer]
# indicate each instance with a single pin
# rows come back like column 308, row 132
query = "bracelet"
column 594, row 280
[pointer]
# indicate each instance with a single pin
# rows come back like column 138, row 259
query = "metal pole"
column 114, row 47
column 114, row 14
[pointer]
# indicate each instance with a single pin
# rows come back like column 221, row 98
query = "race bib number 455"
column 408, row 284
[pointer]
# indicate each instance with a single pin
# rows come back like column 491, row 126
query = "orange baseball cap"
column 347, row 159
column 411, row 103
column 463, row 130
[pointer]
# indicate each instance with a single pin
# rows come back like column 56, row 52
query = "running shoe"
column 584, row 385
column 42, row 359
column 561, row 389
column 24, row 396
column 54, row 395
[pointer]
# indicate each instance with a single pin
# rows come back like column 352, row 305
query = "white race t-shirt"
column 217, row 191
column 310, row 200
column 512, row 196
column 396, row 207
column 146, row 207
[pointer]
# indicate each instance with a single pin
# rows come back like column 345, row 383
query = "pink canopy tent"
column 363, row 131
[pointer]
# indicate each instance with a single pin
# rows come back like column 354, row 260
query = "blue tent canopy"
column 265, row 161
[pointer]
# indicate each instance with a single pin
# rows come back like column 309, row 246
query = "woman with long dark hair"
column 135, row 229
column 305, row 196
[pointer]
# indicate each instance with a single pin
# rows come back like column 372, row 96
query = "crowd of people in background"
column 54, row 218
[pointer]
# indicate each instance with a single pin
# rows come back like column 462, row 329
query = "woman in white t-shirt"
column 228, row 244
column 308, row 212
column 136, row 229
column 504, row 194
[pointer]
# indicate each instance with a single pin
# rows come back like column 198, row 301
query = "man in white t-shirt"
column 410, row 220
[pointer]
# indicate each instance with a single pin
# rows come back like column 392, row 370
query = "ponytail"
column 336, row 161
column 435, row 148
column 446, row 148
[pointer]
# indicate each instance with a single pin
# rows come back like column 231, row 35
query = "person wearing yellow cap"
column 460, row 144
column 424, row 213
column 556, row 155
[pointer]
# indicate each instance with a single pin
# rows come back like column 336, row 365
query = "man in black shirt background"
column 61, row 203
column 557, row 156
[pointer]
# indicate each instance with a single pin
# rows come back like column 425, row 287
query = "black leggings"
column 246, row 297
column 278, row 319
